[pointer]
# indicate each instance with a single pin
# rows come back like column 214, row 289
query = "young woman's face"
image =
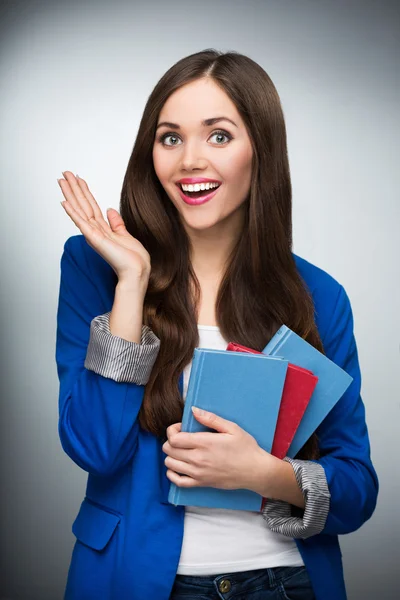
column 186, row 148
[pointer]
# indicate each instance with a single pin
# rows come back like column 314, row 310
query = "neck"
column 212, row 247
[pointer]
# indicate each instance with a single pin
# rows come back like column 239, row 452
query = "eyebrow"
column 205, row 123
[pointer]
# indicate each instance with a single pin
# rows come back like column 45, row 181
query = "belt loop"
column 271, row 578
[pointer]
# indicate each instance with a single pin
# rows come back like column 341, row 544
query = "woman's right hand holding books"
column 124, row 253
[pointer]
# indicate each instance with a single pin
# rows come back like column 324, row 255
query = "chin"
column 199, row 224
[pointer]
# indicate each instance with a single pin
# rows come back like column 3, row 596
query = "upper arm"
column 343, row 434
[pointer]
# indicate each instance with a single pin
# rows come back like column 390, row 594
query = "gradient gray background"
column 74, row 81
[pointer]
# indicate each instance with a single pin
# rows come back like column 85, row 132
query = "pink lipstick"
column 200, row 199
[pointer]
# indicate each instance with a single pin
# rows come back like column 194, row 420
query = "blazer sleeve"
column 341, row 488
column 98, row 407
column 117, row 358
column 344, row 441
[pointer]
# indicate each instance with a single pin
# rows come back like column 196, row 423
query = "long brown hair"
column 261, row 288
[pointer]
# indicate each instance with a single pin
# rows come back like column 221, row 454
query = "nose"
column 192, row 157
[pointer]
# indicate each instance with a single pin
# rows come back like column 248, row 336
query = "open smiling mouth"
column 198, row 197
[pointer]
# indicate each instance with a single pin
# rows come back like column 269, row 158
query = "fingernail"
column 77, row 176
column 198, row 411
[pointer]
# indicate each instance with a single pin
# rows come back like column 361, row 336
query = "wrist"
column 277, row 480
column 134, row 284
column 266, row 472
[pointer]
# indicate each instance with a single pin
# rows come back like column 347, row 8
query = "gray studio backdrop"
column 74, row 81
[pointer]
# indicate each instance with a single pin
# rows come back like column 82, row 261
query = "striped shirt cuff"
column 292, row 521
column 118, row 359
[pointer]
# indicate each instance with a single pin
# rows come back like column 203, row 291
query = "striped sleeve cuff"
column 292, row 521
column 118, row 359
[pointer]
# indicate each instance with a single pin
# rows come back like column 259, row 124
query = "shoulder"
column 83, row 265
column 328, row 295
column 78, row 248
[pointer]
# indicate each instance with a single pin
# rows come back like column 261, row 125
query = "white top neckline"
column 208, row 327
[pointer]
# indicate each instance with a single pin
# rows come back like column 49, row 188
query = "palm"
column 126, row 255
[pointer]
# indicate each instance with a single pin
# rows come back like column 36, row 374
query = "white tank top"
column 218, row 540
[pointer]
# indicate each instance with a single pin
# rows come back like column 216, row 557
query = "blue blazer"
column 128, row 537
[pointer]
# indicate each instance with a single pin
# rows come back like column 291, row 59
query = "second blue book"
column 244, row 388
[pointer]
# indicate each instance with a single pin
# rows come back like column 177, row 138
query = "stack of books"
column 280, row 396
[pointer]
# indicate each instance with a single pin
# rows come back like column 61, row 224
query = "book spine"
column 193, row 390
column 188, row 417
column 277, row 341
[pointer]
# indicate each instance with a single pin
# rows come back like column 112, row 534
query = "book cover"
column 332, row 381
column 297, row 391
column 243, row 388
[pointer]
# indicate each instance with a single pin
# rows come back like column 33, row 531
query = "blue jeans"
column 277, row 583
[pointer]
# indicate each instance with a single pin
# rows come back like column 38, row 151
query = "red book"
column 297, row 391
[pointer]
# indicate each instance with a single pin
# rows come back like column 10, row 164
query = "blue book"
column 241, row 387
column 332, row 381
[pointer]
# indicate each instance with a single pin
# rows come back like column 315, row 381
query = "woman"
column 182, row 267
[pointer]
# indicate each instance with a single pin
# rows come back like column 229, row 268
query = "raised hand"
column 124, row 253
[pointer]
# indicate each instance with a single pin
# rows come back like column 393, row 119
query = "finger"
column 92, row 234
column 70, row 197
column 173, row 429
column 80, row 197
column 83, row 186
column 188, row 440
column 214, row 421
column 178, row 438
column 181, row 480
column 184, row 454
column 180, row 466
column 116, row 222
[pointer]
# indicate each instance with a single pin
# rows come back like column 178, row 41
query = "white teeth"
column 198, row 186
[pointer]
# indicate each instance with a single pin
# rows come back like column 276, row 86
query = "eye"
column 221, row 133
column 163, row 137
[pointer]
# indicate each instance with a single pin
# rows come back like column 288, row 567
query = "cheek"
column 163, row 166
column 238, row 169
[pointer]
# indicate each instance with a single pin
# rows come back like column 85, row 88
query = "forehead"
column 198, row 100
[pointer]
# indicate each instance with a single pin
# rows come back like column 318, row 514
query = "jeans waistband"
column 275, row 575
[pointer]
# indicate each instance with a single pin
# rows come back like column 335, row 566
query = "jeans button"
column 224, row 586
